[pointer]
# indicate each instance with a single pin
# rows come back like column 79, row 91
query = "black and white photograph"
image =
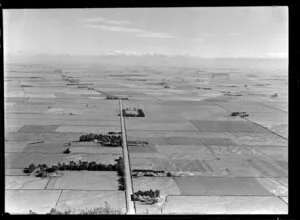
column 146, row 111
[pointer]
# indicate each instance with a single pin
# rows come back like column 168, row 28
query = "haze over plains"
column 231, row 32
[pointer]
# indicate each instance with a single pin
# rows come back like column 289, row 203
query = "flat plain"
column 220, row 164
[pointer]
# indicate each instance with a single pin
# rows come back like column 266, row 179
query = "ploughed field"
column 212, row 141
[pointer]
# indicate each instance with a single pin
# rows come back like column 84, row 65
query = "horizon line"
column 138, row 54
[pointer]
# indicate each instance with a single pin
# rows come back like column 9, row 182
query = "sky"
column 205, row 32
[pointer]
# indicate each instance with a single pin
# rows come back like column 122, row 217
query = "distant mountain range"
column 150, row 59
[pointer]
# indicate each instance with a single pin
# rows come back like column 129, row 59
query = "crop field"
column 212, row 162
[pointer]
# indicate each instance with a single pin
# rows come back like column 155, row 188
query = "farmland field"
column 214, row 158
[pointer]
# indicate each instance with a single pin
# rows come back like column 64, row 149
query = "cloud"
column 106, row 21
column 115, row 28
column 121, row 26
column 156, row 35
column 277, row 55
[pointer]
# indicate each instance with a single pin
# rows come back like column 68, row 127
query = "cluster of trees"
column 94, row 211
column 110, row 139
column 120, row 166
column 67, row 151
column 169, row 174
column 241, row 114
column 140, row 113
column 150, row 193
column 115, row 97
column 229, row 94
column 148, row 173
column 42, row 170
column 121, row 173
column 111, row 97
column 115, row 133
column 151, row 173
column 148, row 196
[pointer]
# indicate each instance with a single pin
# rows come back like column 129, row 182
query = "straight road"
column 128, row 180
